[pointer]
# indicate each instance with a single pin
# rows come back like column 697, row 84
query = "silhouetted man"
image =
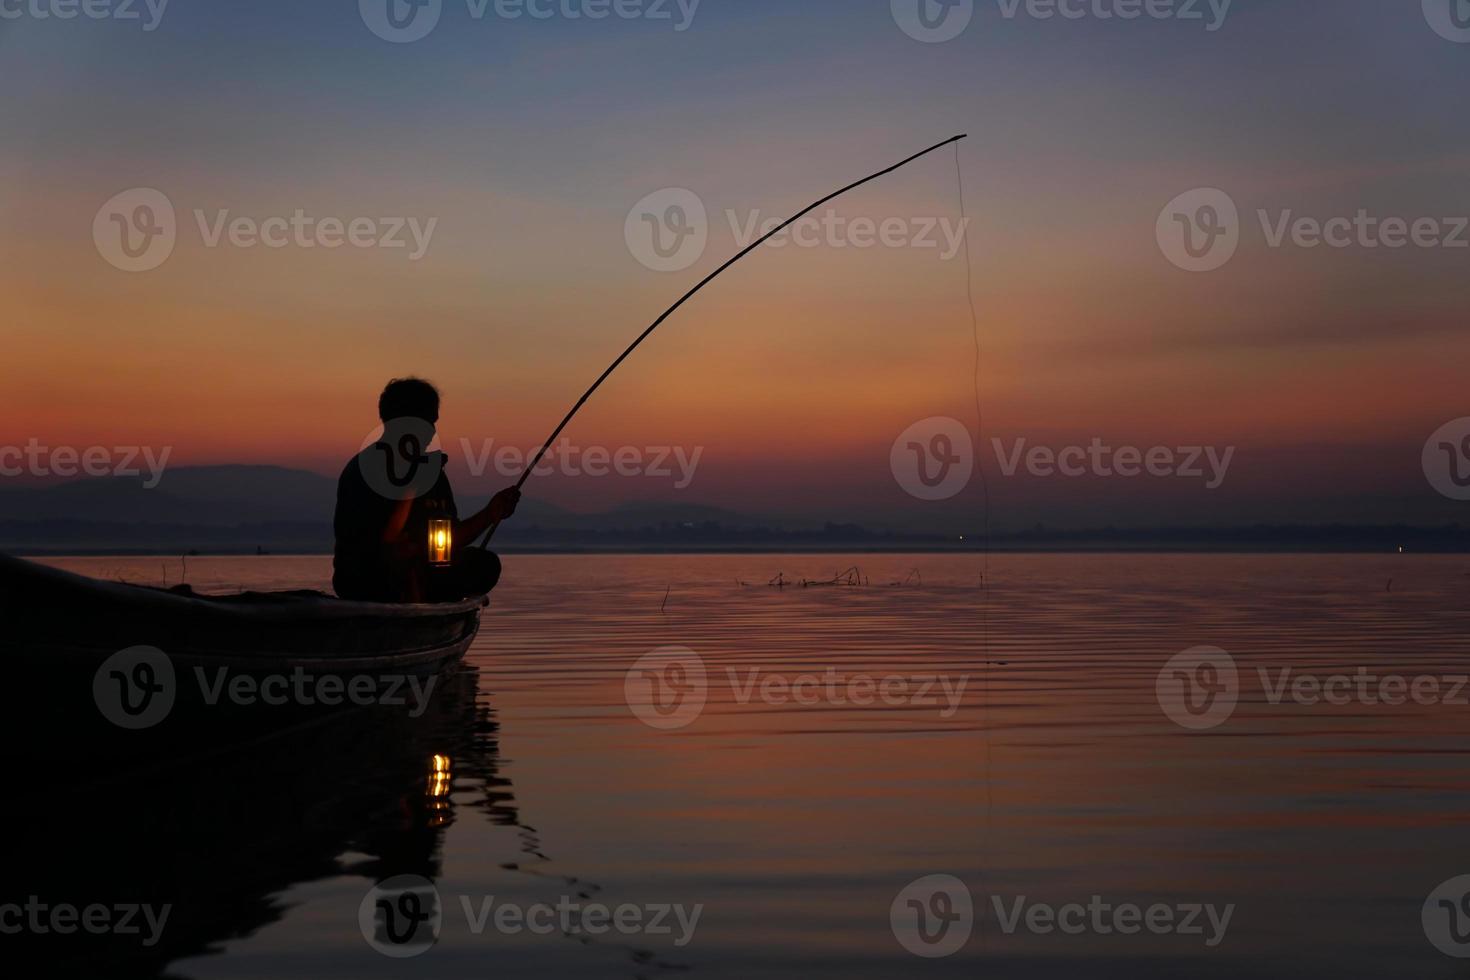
column 386, row 497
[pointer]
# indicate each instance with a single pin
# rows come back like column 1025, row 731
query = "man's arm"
column 393, row 530
column 500, row 507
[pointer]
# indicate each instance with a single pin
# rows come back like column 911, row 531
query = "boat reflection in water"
column 217, row 831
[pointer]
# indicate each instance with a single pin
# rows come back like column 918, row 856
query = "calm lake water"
column 1016, row 739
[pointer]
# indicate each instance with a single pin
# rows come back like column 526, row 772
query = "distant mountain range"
column 272, row 508
column 233, row 509
column 208, row 496
column 227, row 496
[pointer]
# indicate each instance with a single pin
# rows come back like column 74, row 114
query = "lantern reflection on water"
column 441, row 776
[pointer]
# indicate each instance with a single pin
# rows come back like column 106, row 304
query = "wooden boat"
column 131, row 674
column 54, row 615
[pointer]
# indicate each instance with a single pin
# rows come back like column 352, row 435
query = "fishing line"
column 690, row 295
column 985, row 514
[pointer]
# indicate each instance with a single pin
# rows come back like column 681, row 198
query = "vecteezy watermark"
column 1364, row 686
column 1101, row 460
column 1199, row 688
column 135, row 688
column 830, row 687
column 669, row 231
column 1449, row 18
column 937, row 21
column 401, row 916
column 1446, row 917
column 933, row 916
column 669, row 688
column 63, row 919
column 35, row 459
column 1100, row 917
column 933, row 21
column 1447, row 459
column 138, row 687
column 404, row 916
column 933, row 459
column 1200, row 230
column 833, row 230
column 138, row 229
column 147, row 12
column 398, row 460
column 406, row 21
column 565, row 458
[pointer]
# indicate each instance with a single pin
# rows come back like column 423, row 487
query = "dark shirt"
column 363, row 566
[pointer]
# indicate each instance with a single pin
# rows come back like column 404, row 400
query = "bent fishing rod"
column 690, row 295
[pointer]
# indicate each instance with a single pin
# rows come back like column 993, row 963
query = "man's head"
column 409, row 398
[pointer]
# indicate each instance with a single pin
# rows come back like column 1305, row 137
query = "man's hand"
column 503, row 504
column 500, row 507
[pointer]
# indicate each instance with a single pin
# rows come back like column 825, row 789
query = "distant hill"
column 232, row 509
column 678, row 513
column 242, row 508
column 212, row 496
column 203, row 496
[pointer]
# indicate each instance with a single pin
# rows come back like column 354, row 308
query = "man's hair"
column 409, row 398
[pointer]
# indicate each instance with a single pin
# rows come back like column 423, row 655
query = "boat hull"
column 225, row 668
column 51, row 614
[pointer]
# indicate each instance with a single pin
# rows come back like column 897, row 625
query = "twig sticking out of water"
column 666, row 598
column 913, row 576
column 853, row 577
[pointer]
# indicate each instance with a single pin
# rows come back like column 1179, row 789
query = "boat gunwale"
column 255, row 607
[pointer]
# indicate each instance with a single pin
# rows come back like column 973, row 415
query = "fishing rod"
column 690, row 295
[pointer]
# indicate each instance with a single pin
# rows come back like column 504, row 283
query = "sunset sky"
column 528, row 142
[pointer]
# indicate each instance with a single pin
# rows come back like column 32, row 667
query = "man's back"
column 366, row 565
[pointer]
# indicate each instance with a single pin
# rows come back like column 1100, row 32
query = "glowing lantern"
column 441, row 539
